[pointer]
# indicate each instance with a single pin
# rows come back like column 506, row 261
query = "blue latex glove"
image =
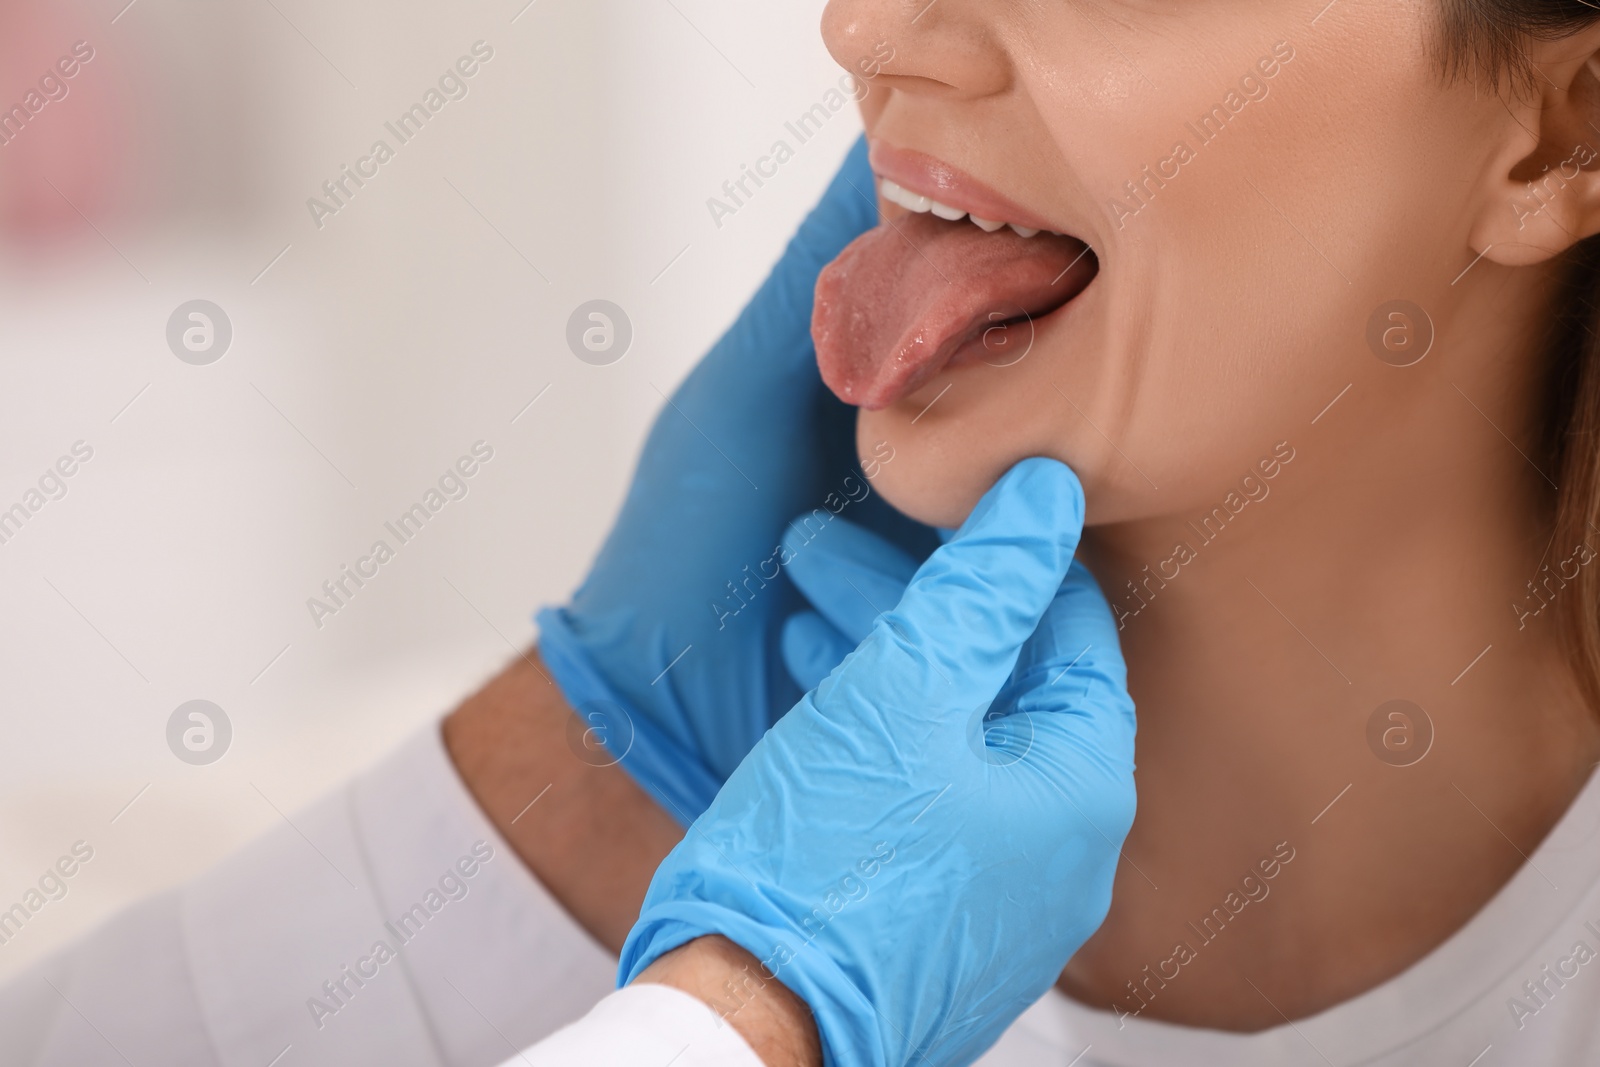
column 850, row 578
column 918, row 875
column 669, row 650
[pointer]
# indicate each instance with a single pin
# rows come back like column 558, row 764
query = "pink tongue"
column 903, row 299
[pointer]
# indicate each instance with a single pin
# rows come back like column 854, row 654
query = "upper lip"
column 934, row 178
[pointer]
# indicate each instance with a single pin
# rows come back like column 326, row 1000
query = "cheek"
column 1233, row 297
column 1234, row 294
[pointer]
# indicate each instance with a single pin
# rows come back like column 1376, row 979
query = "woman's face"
column 1256, row 180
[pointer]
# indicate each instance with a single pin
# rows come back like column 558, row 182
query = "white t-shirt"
column 1519, row 984
column 273, row 958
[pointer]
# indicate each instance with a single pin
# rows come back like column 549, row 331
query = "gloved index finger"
column 849, row 574
column 951, row 642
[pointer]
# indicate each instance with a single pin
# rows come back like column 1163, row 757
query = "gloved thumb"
column 953, row 639
column 1072, row 672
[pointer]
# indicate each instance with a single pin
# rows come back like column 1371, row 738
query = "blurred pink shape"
column 70, row 148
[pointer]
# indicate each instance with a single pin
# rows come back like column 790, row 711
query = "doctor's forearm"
column 593, row 837
column 774, row 1021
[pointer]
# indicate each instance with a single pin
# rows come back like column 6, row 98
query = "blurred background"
column 370, row 347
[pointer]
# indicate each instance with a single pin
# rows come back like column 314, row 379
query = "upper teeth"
column 896, row 193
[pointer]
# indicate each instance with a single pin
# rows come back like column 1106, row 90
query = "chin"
column 931, row 478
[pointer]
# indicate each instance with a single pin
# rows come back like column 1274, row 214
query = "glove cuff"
column 846, row 1019
column 675, row 778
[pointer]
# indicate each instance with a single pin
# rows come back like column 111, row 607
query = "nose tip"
column 850, row 33
column 945, row 47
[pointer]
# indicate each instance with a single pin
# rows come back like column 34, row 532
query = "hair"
column 1489, row 41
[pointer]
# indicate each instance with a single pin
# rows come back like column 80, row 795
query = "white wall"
column 371, row 355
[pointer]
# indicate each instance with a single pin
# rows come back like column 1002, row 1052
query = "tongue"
column 903, row 299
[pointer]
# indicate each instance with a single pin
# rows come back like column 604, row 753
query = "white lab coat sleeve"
column 387, row 924
column 644, row 1025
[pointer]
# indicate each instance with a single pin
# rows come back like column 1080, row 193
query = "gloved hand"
column 849, row 578
column 917, row 874
column 669, row 648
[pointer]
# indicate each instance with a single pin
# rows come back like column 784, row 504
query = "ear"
column 1543, row 193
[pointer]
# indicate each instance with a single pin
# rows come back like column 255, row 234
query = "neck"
column 1387, row 559
column 1393, row 543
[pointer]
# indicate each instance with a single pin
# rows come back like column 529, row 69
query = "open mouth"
column 941, row 286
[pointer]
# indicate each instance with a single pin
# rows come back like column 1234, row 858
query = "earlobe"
column 1548, row 198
